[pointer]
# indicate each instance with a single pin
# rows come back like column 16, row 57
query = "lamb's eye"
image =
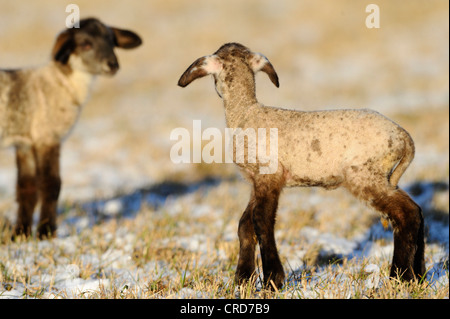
column 86, row 45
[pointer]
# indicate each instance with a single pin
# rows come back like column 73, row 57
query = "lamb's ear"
column 203, row 66
column 64, row 46
column 259, row 62
column 125, row 39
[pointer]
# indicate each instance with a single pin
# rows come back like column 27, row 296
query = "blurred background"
column 324, row 55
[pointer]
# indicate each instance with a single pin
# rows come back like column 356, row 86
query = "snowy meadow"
column 134, row 224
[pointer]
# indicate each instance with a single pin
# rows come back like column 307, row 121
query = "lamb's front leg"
column 26, row 189
column 247, row 243
column 49, row 187
column 267, row 193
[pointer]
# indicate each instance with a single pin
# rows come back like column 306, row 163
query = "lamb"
column 360, row 150
column 39, row 107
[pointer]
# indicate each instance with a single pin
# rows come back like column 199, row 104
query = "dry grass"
column 188, row 248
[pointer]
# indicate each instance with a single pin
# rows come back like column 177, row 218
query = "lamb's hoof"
column 20, row 231
column 275, row 282
column 404, row 274
column 244, row 275
column 46, row 231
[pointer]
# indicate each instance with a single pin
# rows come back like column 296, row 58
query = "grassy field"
column 188, row 248
column 131, row 224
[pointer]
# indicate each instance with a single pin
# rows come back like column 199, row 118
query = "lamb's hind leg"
column 408, row 226
column 26, row 190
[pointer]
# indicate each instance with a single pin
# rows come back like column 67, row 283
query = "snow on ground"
column 62, row 277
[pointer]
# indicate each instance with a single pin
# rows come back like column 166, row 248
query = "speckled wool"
column 360, row 150
column 320, row 148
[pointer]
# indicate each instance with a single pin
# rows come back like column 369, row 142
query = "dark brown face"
column 94, row 48
column 90, row 48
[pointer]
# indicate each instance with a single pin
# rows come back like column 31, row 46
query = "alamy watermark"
column 252, row 146
column 373, row 19
column 73, row 19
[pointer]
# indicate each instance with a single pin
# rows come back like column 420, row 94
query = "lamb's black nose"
column 113, row 65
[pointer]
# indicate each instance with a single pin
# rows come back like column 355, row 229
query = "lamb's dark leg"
column 247, row 243
column 26, row 190
column 419, row 257
column 267, row 192
column 408, row 224
column 49, row 186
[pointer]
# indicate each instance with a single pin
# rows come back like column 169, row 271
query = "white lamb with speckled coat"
column 360, row 150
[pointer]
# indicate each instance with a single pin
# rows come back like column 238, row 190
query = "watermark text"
column 373, row 19
column 73, row 19
column 236, row 145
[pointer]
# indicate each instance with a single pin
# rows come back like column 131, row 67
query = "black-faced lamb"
column 39, row 106
column 360, row 150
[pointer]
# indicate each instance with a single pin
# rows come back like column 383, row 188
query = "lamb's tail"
column 408, row 155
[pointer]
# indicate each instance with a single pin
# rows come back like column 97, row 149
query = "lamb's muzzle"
column 39, row 107
column 360, row 150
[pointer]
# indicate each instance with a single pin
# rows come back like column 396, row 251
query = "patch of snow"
column 373, row 280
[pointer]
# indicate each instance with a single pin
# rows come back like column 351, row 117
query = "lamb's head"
column 90, row 48
column 233, row 64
